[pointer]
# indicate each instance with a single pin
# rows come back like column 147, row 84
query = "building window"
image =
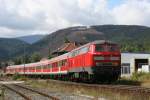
column 125, row 68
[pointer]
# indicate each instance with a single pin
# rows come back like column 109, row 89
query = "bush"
column 140, row 76
column 16, row 76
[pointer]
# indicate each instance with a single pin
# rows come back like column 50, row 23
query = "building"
column 133, row 62
column 66, row 47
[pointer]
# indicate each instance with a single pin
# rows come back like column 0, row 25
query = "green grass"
column 140, row 76
column 18, row 77
column 83, row 90
column 140, row 79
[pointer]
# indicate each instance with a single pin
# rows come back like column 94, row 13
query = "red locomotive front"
column 106, row 60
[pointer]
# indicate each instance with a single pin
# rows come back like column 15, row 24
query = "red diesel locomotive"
column 99, row 60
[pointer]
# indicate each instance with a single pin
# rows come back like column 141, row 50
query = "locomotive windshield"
column 106, row 47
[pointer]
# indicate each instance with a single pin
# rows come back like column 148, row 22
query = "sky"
column 28, row 17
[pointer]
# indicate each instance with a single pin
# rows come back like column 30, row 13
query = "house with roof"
column 66, row 47
column 134, row 62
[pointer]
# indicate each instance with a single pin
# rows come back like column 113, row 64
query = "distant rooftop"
column 67, row 47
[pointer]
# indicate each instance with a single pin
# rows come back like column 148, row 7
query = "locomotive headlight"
column 99, row 64
column 114, row 58
column 115, row 63
column 98, row 58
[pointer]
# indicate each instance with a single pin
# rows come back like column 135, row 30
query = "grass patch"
column 140, row 79
column 83, row 90
column 140, row 76
column 124, row 81
column 19, row 77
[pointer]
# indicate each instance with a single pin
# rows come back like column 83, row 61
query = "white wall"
column 130, row 58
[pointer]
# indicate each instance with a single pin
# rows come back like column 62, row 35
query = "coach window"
column 32, row 68
column 56, row 64
column 44, row 67
column 53, row 64
column 63, row 62
column 60, row 63
column 49, row 65
column 38, row 67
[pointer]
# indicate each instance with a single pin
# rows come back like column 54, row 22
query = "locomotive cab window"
column 106, row 47
column 99, row 47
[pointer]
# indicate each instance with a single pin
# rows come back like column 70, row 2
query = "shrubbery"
column 140, row 76
column 16, row 76
column 135, row 79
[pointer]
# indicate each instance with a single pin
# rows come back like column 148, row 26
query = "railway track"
column 17, row 92
column 117, row 88
column 29, row 93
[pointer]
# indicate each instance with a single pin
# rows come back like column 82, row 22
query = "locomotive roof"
column 95, row 42
column 102, row 41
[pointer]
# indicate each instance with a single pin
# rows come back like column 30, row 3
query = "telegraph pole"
column 24, row 58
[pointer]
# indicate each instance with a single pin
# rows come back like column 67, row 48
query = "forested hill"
column 10, row 47
column 131, row 38
column 31, row 38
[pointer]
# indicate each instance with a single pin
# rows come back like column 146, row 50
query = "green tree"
column 27, row 59
column 49, row 54
column 35, row 57
column 18, row 60
column 66, row 40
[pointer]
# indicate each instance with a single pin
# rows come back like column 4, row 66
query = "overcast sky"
column 25, row 17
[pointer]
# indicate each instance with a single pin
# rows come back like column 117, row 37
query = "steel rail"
column 36, row 91
column 19, row 93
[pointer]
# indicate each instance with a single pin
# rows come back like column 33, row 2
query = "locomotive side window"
column 84, row 50
column 73, row 54
column 80, row 51
column 112, row 48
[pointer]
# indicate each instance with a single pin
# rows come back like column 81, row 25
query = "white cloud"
column 23, row 17
column 133, row 12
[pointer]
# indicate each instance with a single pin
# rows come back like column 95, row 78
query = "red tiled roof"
column 67, row 47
